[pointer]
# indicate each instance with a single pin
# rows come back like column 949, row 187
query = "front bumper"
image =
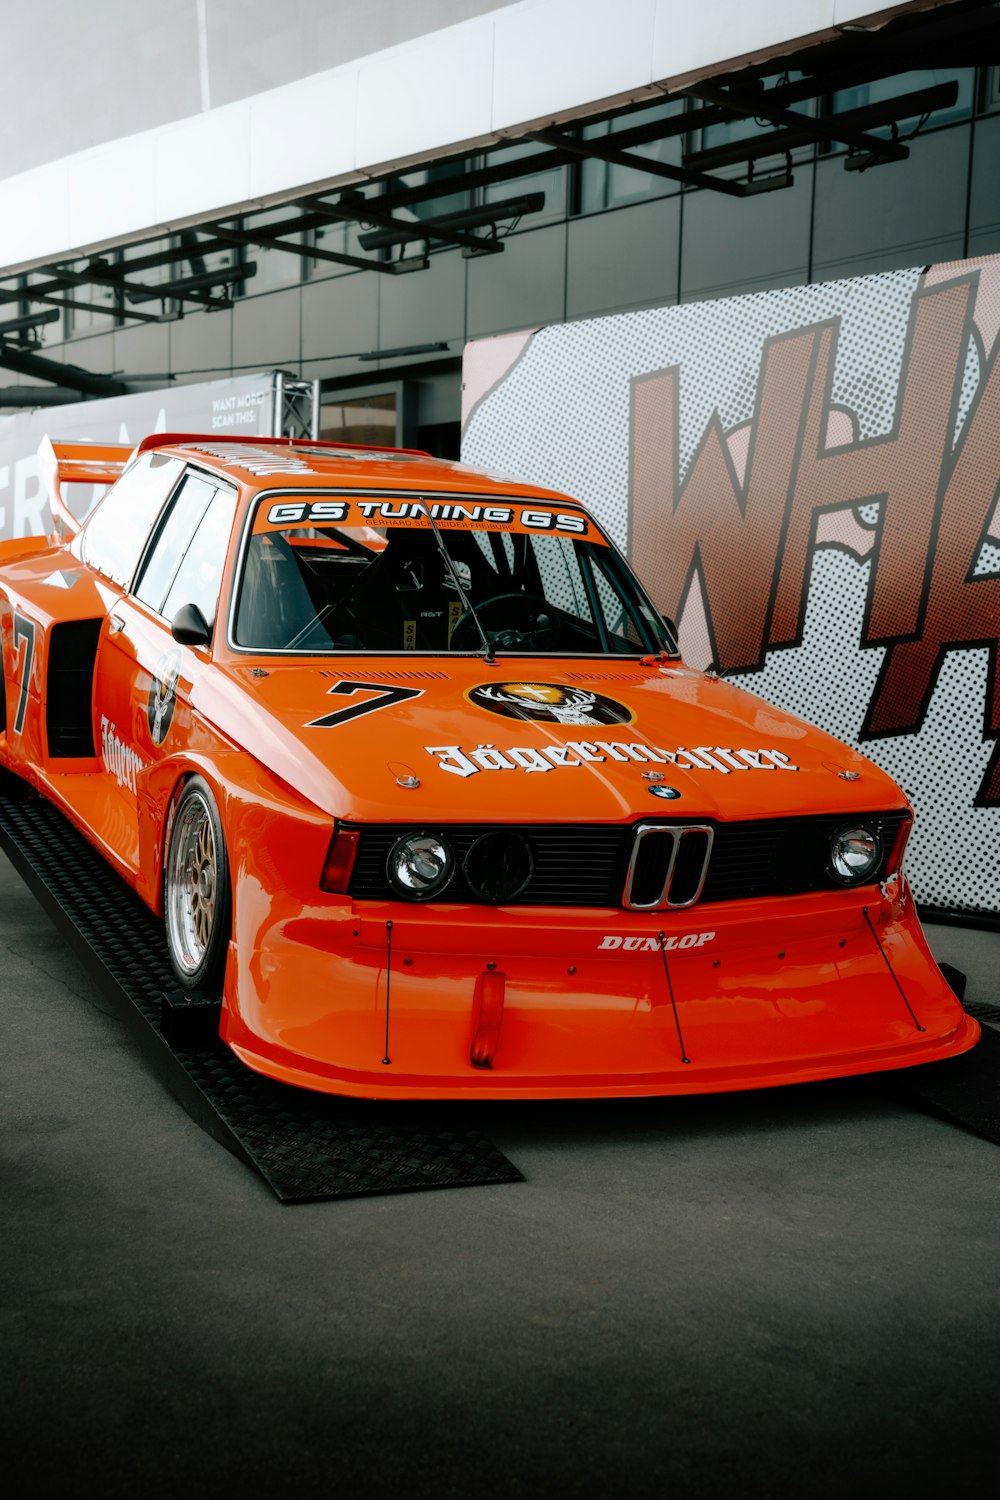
column 584, row 1003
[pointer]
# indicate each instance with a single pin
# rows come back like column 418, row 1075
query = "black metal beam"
column 597, row 147
column 189, row 286
column 28, row 294
column 812, row 127
column 28, row 321
column 867, row 117
column 354, row 209
column 443, row 227
column 309, row 252
column 59, row 374
column 37, row 395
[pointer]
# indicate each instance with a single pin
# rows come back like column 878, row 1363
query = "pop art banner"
column 808, row 481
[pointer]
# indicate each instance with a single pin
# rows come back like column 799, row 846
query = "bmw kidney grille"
column 668, row 866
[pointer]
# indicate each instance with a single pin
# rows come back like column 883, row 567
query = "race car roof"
column 262, row 463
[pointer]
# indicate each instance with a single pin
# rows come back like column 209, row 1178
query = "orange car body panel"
column 500, row 1001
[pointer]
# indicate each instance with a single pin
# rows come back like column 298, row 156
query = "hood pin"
column 849, row 775
column 410, row 782
column 652, row 775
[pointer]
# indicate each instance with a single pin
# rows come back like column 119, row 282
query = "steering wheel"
column 467, row 623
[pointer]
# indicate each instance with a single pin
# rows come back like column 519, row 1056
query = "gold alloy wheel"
column 192, row 884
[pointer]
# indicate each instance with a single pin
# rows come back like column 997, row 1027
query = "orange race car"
column 413, row 771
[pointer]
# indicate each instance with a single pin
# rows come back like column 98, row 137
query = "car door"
column 144, row 676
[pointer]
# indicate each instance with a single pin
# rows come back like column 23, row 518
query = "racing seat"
column 405, row 602
column 275, row 604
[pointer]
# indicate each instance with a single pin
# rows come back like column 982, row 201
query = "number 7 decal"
column 24, row 630
column 386, row 696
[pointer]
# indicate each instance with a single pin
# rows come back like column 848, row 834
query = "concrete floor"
column 787, row 1293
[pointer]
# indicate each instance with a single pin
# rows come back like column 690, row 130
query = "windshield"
column 322, row 574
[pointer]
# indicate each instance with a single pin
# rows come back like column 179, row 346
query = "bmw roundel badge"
column 669, row 793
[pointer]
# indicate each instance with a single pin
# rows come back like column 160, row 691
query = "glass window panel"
column 199, row 576
column 342, row 239
column 101, row 315
column 906, row 83
column 114, row 537
column 275, row 268
column 741, row 128
column 610, row 185
column 176, row 530
column 362, row 420
column 388, row 588
column 151, row 275
column 991, row 90
column 552, row 182
column 438, row 206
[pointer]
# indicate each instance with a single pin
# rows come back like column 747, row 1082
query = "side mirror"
column 189, row 627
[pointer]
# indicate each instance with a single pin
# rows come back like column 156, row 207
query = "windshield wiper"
column 489, row 654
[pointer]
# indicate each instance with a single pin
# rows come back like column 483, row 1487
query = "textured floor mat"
column 305, row 1145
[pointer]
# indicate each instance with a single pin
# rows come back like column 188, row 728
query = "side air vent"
column 668, row 866
column 69, row 688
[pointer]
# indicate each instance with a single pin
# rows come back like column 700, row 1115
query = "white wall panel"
column 690, row 37
column 426, row 93
column 108, row 186
column 551, row 56
column 316, row 131
column 34, row 212
column 202, row 163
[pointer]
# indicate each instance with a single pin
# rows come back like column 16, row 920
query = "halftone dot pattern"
column 561, row 419
column 970, row 384
column 953, row 859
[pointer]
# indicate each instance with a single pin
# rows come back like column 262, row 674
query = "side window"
column 113, row 538
column 176, row 530
column 199, row 577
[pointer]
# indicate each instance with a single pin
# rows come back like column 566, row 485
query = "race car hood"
column 533, row 740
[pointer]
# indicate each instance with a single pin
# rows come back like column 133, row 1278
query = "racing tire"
column 196, row 894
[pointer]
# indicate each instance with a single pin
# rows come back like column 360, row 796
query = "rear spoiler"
column 77, row 463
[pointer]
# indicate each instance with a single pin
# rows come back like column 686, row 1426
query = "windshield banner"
column 529, row 518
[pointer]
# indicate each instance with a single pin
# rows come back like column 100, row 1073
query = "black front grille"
column 581, row 865
column 574, row 865
column 783, row 856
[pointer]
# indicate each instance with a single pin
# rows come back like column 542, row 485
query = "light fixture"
column 404, row 352
column 30, row 320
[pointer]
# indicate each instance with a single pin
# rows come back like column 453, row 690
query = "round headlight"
column 855, row 854
column 498, row 866
column 420, row 865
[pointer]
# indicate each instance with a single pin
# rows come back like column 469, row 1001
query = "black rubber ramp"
column 305, row 1145
column 964, row 1089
